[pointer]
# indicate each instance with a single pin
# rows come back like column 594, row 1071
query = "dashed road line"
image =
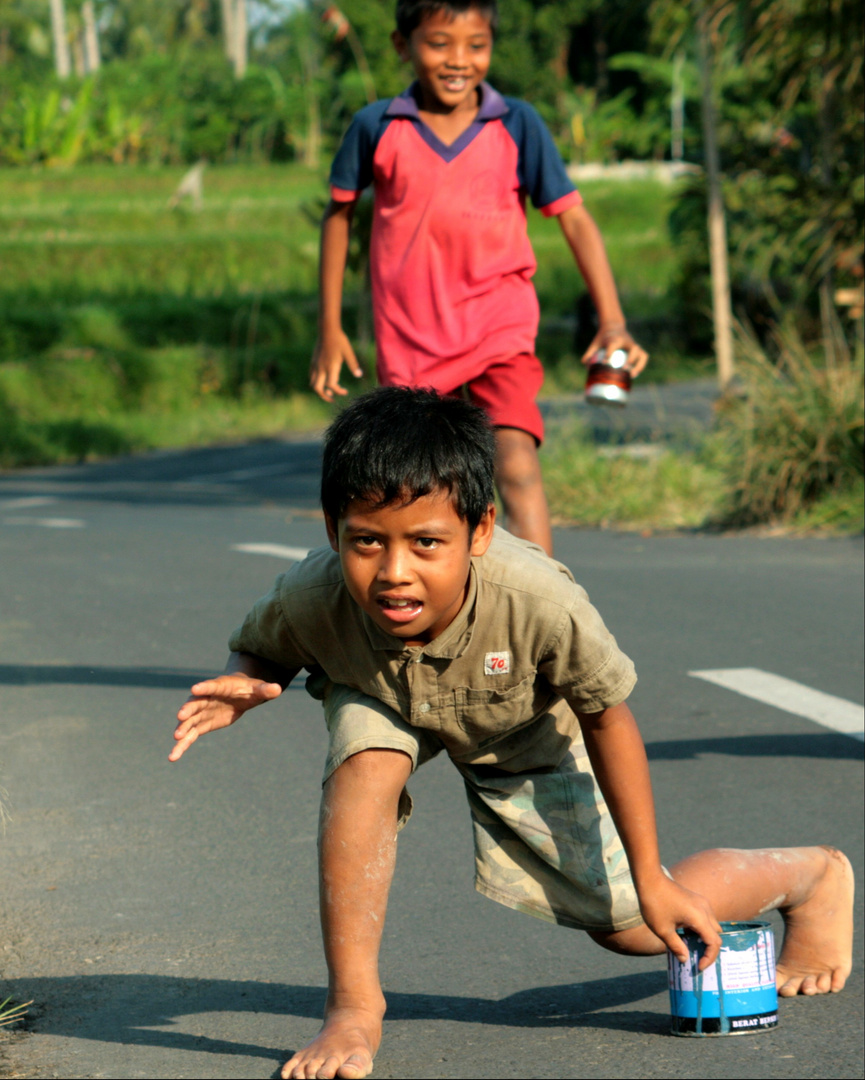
column 280, row 551
column 238, row 474
column 46, row 523
column 26, row 503
column 832, row 712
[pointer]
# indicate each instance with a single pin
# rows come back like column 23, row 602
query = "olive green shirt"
column 497, row 686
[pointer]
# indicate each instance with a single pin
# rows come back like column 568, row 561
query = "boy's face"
column 450, row 54
column 407, row 566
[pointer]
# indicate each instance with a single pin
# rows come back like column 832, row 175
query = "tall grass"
column 793, row 439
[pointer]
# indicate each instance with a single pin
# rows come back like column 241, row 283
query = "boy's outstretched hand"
column 666, row 906
column 216, row 703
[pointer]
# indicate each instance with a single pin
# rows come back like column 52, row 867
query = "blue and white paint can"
column 736, row 995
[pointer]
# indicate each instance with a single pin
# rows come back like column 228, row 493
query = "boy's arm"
column 332, row 347
column 585, row 241
column 618, row 757
column 247, row 681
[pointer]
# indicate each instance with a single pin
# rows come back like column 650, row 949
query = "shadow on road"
column 154, row 678
column 134, row 1010
column 825, row 745
column 244, row 474
column 819, row 745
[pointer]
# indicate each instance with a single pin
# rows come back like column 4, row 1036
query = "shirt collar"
column 493, row 105
column 451, row 642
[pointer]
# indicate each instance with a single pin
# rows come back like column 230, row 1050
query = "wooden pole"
column 721, row 305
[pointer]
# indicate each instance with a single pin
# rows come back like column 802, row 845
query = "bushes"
column 787, row 451
column 160, row 109
column 795, row 437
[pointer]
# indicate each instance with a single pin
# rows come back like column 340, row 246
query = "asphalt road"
column 164, row 918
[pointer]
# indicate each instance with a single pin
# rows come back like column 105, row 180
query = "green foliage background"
column 116, row 313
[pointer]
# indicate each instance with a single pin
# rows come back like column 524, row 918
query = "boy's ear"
column 401, row 45
column 483, row 534
column 332, row 532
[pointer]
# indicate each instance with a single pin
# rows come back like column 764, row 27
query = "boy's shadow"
column 136, row 1010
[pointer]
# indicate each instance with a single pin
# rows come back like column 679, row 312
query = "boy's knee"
column 517, row 460
column 370, row 787
column 380, row 770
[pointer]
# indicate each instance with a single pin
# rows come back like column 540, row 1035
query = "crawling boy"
column 426, row 629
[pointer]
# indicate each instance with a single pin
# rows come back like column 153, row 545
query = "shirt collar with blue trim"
column 493, row 105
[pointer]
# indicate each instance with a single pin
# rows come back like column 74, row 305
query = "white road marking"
column 46, row 523
column 26, row 502
column 238, row 474
column 832, row 712
column 281, row 551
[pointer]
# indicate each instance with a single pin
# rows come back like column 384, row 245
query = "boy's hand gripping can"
column 736, row 995
column 608, row 381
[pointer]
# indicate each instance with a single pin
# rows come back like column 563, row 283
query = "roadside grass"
column 80, row 404
column 11, row 1011
column 619, row 488
column 675, row 489
column 785, row 454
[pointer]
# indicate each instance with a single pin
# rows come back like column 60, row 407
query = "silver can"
column 608, row 381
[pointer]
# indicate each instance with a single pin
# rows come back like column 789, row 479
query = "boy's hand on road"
column 666, row 906
column 327, row 361
column 611, row 338
column 216, row 703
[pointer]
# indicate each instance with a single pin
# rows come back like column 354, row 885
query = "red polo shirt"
column 450, row 257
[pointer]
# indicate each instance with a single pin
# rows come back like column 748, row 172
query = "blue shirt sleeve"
column 541, row 170
column 352, row 166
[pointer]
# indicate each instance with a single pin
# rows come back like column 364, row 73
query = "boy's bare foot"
column 344, row 1047
column 818, row 935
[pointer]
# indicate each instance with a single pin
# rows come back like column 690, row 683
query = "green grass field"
column 127, row 325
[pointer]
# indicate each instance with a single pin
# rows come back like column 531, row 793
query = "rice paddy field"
column 127, row 324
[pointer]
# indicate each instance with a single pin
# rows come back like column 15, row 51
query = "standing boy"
column 451, row 162
column 426, row 630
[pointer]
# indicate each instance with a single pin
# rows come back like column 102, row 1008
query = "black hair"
column 411, row 13
column 397, row 444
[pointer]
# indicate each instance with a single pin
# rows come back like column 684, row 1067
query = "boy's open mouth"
column 455, row 83
column 399, row 609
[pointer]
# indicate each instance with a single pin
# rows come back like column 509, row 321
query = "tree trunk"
column 241, row 36
column 677, row 110
column 602, row 68
column 228, row 28
column 91, row 41
column 721, row 306
column 312, row 143
column 61, row 44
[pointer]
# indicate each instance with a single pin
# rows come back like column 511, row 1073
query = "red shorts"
column 506, row 390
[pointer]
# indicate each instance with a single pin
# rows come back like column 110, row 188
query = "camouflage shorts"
column 544, row 841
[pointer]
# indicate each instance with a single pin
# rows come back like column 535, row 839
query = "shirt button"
column 424, row 707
